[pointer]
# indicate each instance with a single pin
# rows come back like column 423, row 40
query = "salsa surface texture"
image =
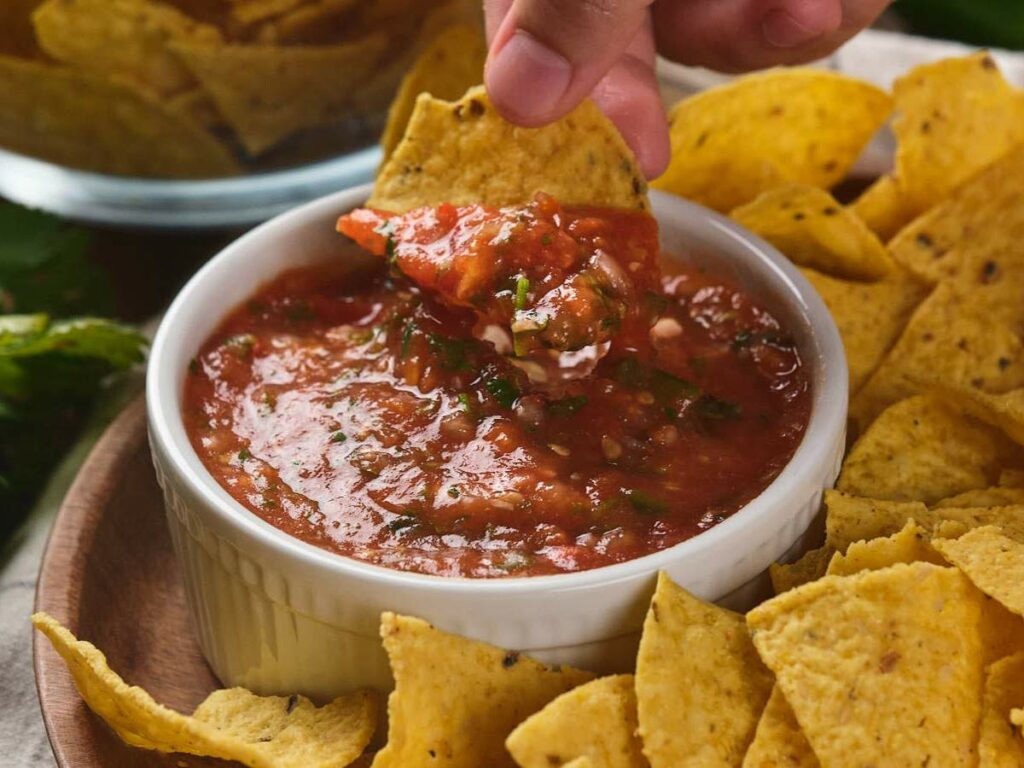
column 366, row 414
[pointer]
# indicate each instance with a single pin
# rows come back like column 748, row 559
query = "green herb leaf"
column 715, row 409
column 502, row 390
column 522, row 289
column 567, row 406
column 646, row 504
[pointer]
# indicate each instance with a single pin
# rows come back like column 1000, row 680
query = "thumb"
column 547, row 55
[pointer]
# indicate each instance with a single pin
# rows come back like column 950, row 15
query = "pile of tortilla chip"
column 209, row 88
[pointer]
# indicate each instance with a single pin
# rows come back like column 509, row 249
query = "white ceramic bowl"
column 276, row 614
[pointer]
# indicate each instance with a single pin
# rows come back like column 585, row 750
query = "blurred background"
column 139, row 136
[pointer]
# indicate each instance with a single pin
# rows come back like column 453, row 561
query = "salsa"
column 375, row 414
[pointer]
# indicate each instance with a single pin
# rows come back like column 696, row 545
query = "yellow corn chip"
column 1011, row 478
column 881, row 668
column 995, row 496
column 953, row 118
column 318, row 22
column 1000, row 745
column 971, row 236
column 86, row 122
column 250, row 11
column 465, row 152
column 993, row 561
column 457, row 700
column 699, row 684
column 779, row 741
column 922, row 449
column 124, row 39
column 804, row 126
column 909, row 545
column 810, row 567
column 870, row 317
column 266, row 93
column 446, row 69
column 851, row 519
column 1017, row 717
column 883, row 208
column 197, row 106
column 813, row 230
column 1004, row 411
column 952, row 337
column 596, row 721
column 17, row 38
column 261, row 732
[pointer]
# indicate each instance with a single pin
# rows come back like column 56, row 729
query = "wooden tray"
column 109, row 575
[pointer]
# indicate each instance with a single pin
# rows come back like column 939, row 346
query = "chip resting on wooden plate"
column 953, row 118
column 813, row 230
column 99, row 125
column 881, row 668
column 464, row 152
column 595, row 722
column 449, row 66
column 700, row 686
column 233, row 724
column 804, row 126
column 457, row 700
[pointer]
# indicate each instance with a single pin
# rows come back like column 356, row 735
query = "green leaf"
column 502, row 390
column 120, row 346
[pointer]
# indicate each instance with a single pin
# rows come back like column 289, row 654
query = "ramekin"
column 276, row 614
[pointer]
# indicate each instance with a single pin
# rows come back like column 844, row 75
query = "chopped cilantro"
column 453, row 352
column 407, row 332
column 665, row 387
column 711, row 407
column 402, row 522
column 244, row 454
column 454, row 492
column 339, row 437
column 646, row 504
column 502, row 390
column 567, row 406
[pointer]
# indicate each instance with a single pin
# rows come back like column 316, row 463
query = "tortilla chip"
column 995, row 496
column 810, row 567
column 465, row 152
column 596, row 721
column 1004, row 411
column 291, row 731
column 870, row 317
column 911, row 544
column 1011, row 478
column 446, row 69
column 197, row 106
column 973, row 236
column 1000, row 745
column 803, row 126
column 922, row 449
column 953, row 118
column 883, row 208
column 813, row 230
column 952, row 337
column 17, row 38
column 699, row 684
column 993, row 561
column 1017, row 717
column 266, row 93
column 457, row 700
column 86, row 122
column 319, row 22
column 246, row 12
column 881, row 668
column 261, row 732
column 124, row 39
column 779, row 740
column 853, row 519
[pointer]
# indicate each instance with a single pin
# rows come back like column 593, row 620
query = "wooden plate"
column 109, row 575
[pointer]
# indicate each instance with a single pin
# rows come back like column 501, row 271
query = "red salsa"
column 403, row 415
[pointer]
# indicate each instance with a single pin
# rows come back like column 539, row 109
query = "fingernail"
column 527, row 78
column 781, row 29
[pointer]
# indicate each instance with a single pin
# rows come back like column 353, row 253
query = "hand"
column 548, row 55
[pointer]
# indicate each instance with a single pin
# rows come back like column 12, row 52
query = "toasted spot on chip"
column 811, row 566
column 1000, row 745
column 851, row 519
column 448, row 155
column 953, row 118
column 261, row 732
column 883, row 207
column 921, row 449
column 100, row 125
column 291, row 731
column 457, row 700
column 970, row 237
column 953, row 336
column 451, row 64
column 804, row 126
column 700, row 686
column 910, row 544
column 870, row 317
column 268, row 92
column 881, row 668
column 813, row 230
column 779, row 741
column 993, row 561
column 124, row 39
column 996, row 496
column 596, row 721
